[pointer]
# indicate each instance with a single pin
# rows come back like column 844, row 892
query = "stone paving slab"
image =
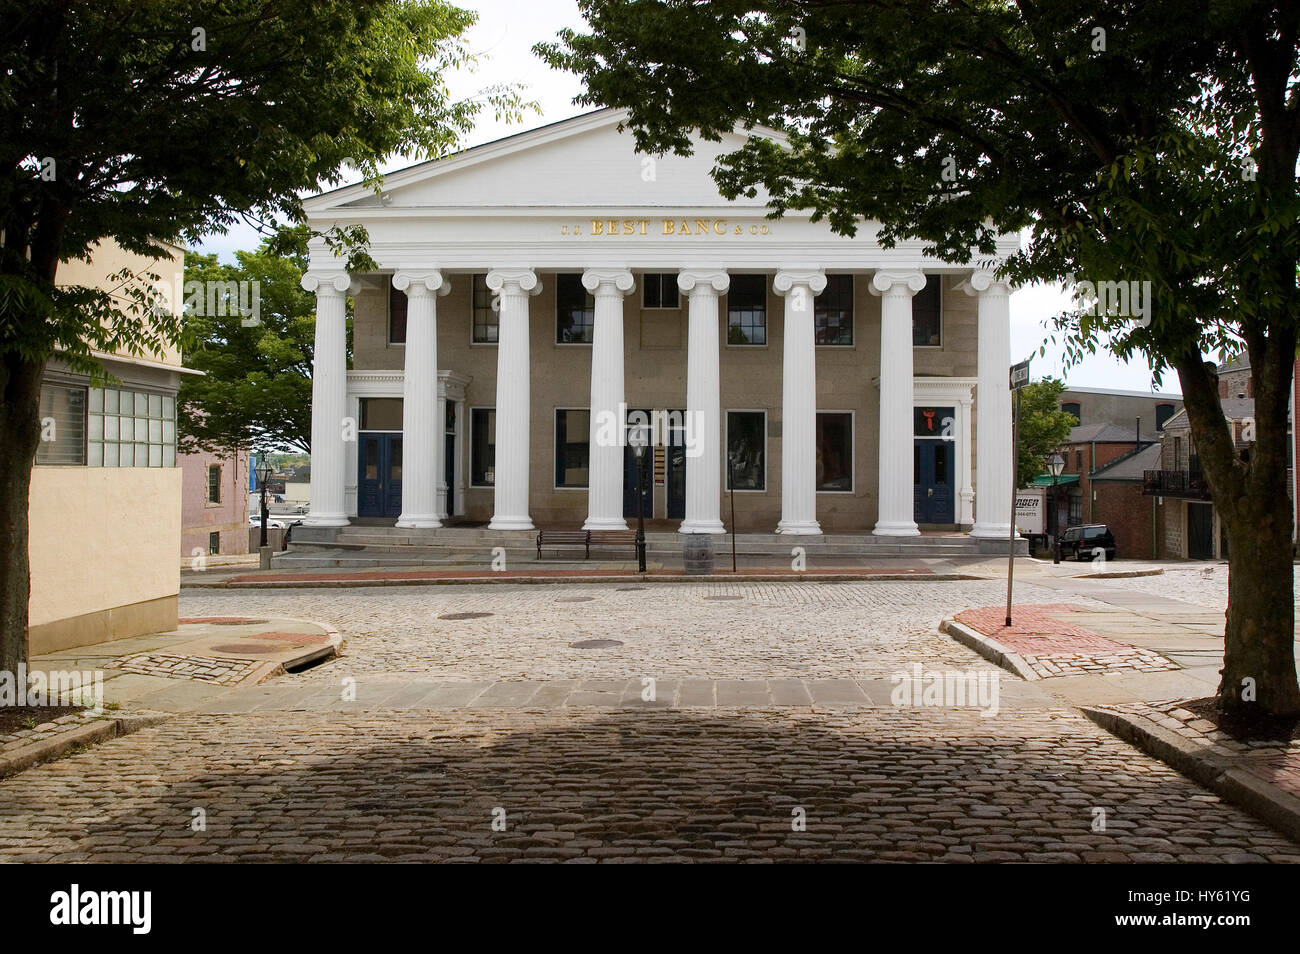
column 619, row 785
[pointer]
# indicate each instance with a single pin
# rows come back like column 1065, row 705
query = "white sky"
column 503, row 38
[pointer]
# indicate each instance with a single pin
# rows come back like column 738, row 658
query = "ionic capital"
column 417, row 282
column 897, row 283
column 608, row 281
column 702, row 281
column 514, row 281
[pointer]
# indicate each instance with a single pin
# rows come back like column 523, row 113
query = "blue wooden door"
column 932, row 490
column 379, row 475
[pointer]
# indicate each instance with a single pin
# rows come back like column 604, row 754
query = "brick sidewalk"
column 1046, row 638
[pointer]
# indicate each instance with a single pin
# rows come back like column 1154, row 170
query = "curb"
column 1266, row 802
column 1117, row 574
column 326, row 582
column 332, row 647
column 49, row 749
column 989, row 648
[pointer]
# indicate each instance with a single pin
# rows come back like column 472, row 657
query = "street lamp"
column 638, row 449
column 1055, row 464
column 263, row 475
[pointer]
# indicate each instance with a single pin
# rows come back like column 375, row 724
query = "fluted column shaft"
column 513, row 411
column 329, row 383
column 703, row 400
column 993, row 468
column 896, row 513
column 421, row 431
column 605, row 473
column 799, row 401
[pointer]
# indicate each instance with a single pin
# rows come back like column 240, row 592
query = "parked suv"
column 1080, row 542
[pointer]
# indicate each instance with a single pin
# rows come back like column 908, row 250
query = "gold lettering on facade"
column 612, row 228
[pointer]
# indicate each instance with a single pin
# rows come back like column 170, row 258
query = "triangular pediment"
column 583, row 162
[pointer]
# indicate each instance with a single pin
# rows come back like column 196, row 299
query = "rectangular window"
column 214, row 541
column 396, row 315
column 483, row 446
column 485, row 316
column 747, row 310
column 747, row 450
column 63, row 426
column 575, row 310
column 381, row 414
column 834, row 451
column 572, row 447
column 131, row 429
column 1071, row 407
column 214, row 483
column 833, row 311
column 927, row 326
column 659, row 290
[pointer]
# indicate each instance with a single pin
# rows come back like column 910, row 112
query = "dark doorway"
column 1200, row 531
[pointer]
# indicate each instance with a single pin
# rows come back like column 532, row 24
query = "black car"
column 1081, row 542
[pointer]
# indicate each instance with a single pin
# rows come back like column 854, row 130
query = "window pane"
column 155, row 405
column 925, row 314
column 746, row 439
column 381, row 414
column 155, row 455
column 110, row 455
column 572, row 448
column 575, row 310
column 396, row 315
column 485, row 314
column 63, row 426
column 169, row 456
column 141, row 404
column 96, row 399
column 155, row 432
column 169, row 432
column 659, row 290
column 833, row 311
column 110, row 428
column 834, row 451
column 169, row 408
column 142, row 429
column 747, row 310
column 142, row 455
column 482, row 465
column 110, row 400
column 95, row 454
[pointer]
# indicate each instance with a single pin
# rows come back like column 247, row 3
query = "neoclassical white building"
column 538, row 293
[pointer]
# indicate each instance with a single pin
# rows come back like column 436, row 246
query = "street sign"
column 1019, row 375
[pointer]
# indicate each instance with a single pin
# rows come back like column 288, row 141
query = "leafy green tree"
column 1043, row 427
column 256, row 390
column 1151, row 142
column 146, row 120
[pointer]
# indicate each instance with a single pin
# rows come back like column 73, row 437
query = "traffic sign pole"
column 1019, row 377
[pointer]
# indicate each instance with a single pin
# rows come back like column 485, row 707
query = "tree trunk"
column 20, row 434
column 1251, row 498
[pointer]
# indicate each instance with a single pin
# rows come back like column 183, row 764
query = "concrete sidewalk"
column 196, row 663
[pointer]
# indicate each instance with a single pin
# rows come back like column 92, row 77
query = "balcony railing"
column 1175, row 483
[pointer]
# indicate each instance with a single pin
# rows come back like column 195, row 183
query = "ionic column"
column 703, row 400
column 605, row 475
column 896, row 513
column 993, row 471
column 421, row 431
column 513, row 287
column 799, row 401
column 329, row 385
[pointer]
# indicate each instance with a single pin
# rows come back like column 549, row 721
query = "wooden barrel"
column 697, row 554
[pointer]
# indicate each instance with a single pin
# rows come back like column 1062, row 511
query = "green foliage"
column 1043, row 427
column 255, row 392
column 167, row 119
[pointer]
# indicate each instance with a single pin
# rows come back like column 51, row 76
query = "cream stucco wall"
column 102, row 538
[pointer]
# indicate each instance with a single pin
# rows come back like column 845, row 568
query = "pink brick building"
column 214, row 509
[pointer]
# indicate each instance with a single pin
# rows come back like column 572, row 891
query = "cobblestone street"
column 385, row 779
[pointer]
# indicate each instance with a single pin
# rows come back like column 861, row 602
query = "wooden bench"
column 586, row 539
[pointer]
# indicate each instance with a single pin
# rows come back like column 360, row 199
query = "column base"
column 511, row 523
column 702, row 526
column 418, row 522
column 605, row 523
column 799, row 527
column 992, row 531
column 896, row 529
column 326, row 520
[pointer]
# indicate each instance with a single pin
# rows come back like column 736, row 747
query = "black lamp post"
column 638, row 449
column 263, row 475
column 1055, row 464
